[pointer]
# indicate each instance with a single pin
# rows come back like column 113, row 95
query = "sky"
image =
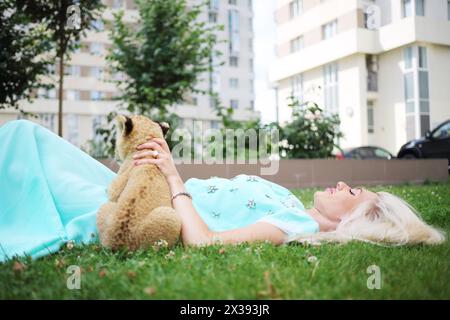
column 264, row 51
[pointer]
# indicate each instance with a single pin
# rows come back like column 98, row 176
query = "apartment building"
column 383, row 66
column 88, row 90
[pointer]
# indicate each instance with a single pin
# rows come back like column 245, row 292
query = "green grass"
column 257, row 271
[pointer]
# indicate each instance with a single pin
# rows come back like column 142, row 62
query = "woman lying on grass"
column 51, row 192
column 338, row 214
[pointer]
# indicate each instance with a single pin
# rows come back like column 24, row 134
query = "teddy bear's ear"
column 125, row 124
column 164, row 127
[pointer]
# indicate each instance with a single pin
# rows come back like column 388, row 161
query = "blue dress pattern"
column 50, row 192
column 226, row 204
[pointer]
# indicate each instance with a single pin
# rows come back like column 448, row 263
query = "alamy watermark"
column 74, row 279
column 374, row 280
column 73, row 14
column 227, row 146
column 373, row 17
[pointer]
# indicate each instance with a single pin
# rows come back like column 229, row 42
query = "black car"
column 435, row 144
column 368, row 152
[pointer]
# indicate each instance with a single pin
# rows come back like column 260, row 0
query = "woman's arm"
column 194, row 230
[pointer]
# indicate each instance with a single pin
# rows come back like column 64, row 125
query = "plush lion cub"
column 139, row 211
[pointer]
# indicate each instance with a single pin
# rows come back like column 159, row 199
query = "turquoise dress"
column 50, row 192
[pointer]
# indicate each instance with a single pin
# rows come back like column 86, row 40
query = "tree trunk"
column 60, row 94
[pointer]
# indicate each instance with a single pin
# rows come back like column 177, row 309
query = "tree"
column 57, row 36
column 311, row 134
column 243, row 131
column 161, row 58
column 64, row 37
column 22, row 39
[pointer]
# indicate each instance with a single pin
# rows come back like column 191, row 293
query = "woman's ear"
column 373, row 212
column 164, row 127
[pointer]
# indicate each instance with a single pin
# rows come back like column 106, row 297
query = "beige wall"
column 389, row 109
column 347, row 21
column 325, row 173
column 439, row 82
column 352, row 100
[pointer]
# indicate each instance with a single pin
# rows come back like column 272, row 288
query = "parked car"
column 435, row 144
column 365, row 152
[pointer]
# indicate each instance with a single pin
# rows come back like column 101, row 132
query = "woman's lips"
column 331, row 190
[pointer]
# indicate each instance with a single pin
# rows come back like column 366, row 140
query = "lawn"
column 257, row 271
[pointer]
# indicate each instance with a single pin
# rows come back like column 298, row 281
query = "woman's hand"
column 163, row 160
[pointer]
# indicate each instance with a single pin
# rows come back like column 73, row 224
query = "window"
column 212, row 103
column 295, row 8
column 214, row 5
column 252, row 105
column 442, row 132
column 43, row 93
column 97, row 73
column 96, row 48
column 77, row 46
column 370, row 118
column 234, row 103
column 250, row 63
column 47, row 120
column 417, row 104
column 423, row 57
column 97, row 122
column 214, row 124
column 380, row 153
column 233, row 29
column 234, row 61
column 234, row 83
column 408, row 58
column 420, row 8
column 297, row 44
column 372, row 72
column 406, row 8
column 297, row 86
column 424, row 91
column 117, row 4
column 423, row 85
column 331, row 95
column 73, row 95
column 98, row 25
column 96, row 95
column 72, row 71
column 329, row 30
column 51, row 94
column 232, row 2
column 72, row 129
column 212, row 17
column 118, row 76
column 215, row 82
column 448, row 10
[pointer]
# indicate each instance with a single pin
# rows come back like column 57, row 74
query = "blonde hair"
column 388, row 220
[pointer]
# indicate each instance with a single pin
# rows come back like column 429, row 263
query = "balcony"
column 392, row 36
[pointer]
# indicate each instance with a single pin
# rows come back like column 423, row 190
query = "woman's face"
column 335, row 203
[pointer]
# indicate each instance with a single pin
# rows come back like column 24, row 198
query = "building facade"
column 88, row 89
column 383, row 66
